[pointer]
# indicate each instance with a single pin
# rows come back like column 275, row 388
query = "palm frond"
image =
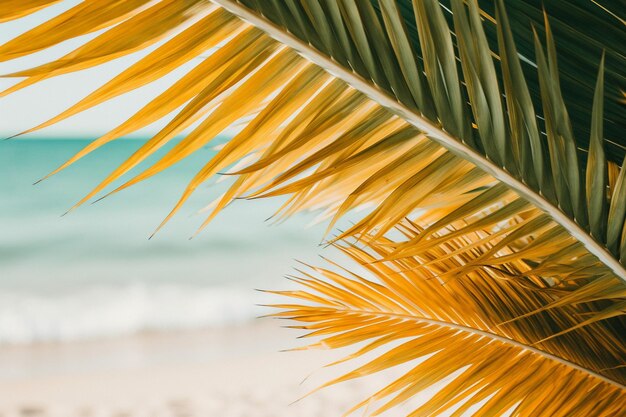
column 450, row 334
column 575, row 25
column 426, row 116
column 431, row 99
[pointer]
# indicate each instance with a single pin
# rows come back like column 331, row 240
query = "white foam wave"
column 105, row 312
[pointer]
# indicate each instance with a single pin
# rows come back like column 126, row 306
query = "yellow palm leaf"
column 510, row 222
column 450, row 333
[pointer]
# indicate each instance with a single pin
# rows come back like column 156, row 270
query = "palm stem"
column 435, row 132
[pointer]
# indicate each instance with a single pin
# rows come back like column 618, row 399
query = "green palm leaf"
column 580, row 43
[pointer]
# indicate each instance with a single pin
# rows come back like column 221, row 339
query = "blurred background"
column 97, row 320
column 94, row 273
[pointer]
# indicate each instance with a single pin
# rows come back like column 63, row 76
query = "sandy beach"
column 238, row 372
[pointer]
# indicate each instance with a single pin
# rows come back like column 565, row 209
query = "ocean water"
column 93, row 273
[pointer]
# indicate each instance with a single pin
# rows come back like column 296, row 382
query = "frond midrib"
column 487, row 334
column 433, row 131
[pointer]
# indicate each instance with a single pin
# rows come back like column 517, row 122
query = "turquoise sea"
column 94, row 273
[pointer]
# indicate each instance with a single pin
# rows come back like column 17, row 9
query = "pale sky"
column 35, row 104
